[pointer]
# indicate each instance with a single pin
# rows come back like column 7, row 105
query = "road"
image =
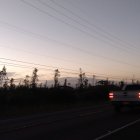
column 89, row 123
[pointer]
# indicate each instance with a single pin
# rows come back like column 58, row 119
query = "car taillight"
column 111, row 95
column 139, row 95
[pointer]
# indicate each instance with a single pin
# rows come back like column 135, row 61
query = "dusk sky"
column 100, row 36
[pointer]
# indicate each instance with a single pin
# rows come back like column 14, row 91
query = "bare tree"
column 81, row 79
column 56, row 76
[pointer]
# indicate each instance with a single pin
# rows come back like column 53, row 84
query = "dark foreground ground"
column 82, row 123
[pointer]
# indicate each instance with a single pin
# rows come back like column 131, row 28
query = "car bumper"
column 125, row 103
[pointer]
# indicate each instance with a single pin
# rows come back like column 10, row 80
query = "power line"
column 31, row 67
column 31, row 63
column 91, row 24
column 44, row 55
column 63, row 44
column 31, row 5
column 36, row 64
column 76, row 21
column 19, row 29
column 38, row 54
column 28, row 67
column 70, row 25
column 87, row 52
column 73, row 72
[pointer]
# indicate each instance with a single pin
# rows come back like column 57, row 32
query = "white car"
column 129, row 96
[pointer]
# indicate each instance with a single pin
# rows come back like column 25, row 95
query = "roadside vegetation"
column 32, row 97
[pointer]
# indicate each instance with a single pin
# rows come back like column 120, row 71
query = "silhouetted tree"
column 34, row 78
column 56, row 76
column 121, row 84
column 103, row 82
column 85, row 83
column 3, row 75
column 1, row 78
column 26, row 81
column 12, row 85
column 82, row 81
column 5, row 85
column 65, row 83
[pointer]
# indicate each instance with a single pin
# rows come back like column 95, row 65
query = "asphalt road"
column 89, row 123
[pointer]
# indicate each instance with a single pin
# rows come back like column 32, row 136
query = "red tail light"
column 111, row 95
column 139, row 95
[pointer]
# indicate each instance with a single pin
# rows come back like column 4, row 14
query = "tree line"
column 32, row 81
column 30, row 93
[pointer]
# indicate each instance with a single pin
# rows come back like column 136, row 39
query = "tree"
column 5, row 85
column 85, row 83
column 82, row 81
column 12, row 85
column 34, row 78
column 3, row 76
column 65, row 83
column 121, row 84
column 56, row 76
column 26, row 81
column 103, row 82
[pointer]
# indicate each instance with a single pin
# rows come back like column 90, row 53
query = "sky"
column 101, row 37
